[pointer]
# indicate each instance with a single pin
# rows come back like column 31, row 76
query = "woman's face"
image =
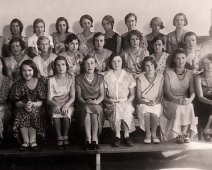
column 61, row 67
column 134, row 41
column 44, row 45
column 179, row 21
column 39, row 29
column 27, row 72
column 158, row 46
column 117, row 63
column 155, row 26
column 106, row 25
column 86, row 24
column 180, row 60
column 90, row 65
column 191, row 41
column 62, row 27
column 73, row 46
column 149, row 67
column 207, row 64
column 16, row 48
column 15, row 28
column 131, row 23
column 99, row 42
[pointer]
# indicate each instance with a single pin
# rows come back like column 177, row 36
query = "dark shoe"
column 116, row 142
column 186, row 139
column 66, row 142
column 128, row 142
column 94, row 145
column 34, row 146
column 24, row 146
column 60, row 142
column 179, row 139
column 207, row 137
column 87, row 146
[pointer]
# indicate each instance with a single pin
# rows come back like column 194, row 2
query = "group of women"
column 155, row 78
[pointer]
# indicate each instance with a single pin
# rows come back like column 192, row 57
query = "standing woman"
column 179, row 91
column 59, row 37
column 149, row 96
column 156, row 24
column 90, row 94
column 203, row 84
column 175, row 39
column 61, row 95
column 28, row 94
column 86, row 36
column 119, row 87
column 112, row 39
column 135, row 54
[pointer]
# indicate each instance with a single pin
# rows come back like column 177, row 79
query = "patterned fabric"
column 117, row 89
column 162, row 62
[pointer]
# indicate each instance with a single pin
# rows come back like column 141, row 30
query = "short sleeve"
column 100, row 79
column 16, row 92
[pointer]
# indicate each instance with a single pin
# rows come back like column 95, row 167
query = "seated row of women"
column 159, row 99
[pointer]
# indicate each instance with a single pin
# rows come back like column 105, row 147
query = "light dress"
column 117, row 89
column 60, row 94
column 149, row 91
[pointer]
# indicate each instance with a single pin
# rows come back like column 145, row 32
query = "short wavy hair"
column 97, row 35
column 19, row 23
column 112, row 56
column 110, row 19
column 177, row 51
column 59, row 57
column 86, row 16
column 36, row 21
column 70, row 38
column 147, row 59
column 183, row 15
column 128, row 16
column 59, row 20
column 134, row 32
column 31, row 64
column 158, row 21
column 21, row 42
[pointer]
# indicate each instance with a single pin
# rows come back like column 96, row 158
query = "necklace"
column 180, row 73
column 89, row 80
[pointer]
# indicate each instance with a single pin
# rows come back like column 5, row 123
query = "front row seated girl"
column 61, row 95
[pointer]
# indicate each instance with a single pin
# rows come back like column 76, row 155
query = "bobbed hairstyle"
column 59, row 20
column 31, row 64
column 148, row 59
column 58, row 58
column 128, row 16
column 112, row 56
column 21, row 42
column 158, row 21
column 69, row 39
column 19, row 23
column 190, row 33
column 183, row 15
column 41, row 38
column 177, row 51
column 86, row 16
column 156, row 38
column 109, row 19
column 82, row 66
column 134, row 32
column 97, row 35
column 36, row 21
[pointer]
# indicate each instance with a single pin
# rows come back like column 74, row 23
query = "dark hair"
column 19, row 23
column 31, row 64
column 183, row 15
column 55, row 63
column 21, row 42
column 159, row 22
column 130, row 15
column 59, row 20
column 110, row 19
column 36, row 21
column 86, row 16
column 190, row 33
column 112, row 56
column 82, row 66
column 156, row 38
column 146, row 59
column 134, row 32
column 97, row 35
column 69, row 39
column 177, row 51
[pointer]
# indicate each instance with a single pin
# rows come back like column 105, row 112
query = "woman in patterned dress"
column 119, row 87
column 28, row 95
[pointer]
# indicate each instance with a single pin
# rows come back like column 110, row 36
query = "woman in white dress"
column 149, row 95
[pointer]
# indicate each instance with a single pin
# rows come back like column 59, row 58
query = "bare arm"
column 139, row 96
column 160, row 93
column 79, row 94
column 101, row 94
column 71, row 94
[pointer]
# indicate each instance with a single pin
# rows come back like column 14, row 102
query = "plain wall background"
column 198, row 13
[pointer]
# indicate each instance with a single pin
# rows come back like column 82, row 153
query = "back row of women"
column 106, row 86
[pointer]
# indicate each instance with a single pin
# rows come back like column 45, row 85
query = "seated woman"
column 119, row 87
column 156, row 24
column 90, row 94
column 160, row 56
column 12, row 63
column 59, row 37
column 61, row 95
column 135, row 54
column 149, row 95
column 203, row 84
column 179, row 91
column 28, row 95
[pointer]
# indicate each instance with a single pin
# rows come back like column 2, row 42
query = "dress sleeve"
column 16, row 92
